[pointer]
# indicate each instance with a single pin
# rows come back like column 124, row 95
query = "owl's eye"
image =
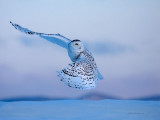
column 76, row 44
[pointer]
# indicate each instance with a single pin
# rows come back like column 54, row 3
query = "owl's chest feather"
column 73, row 55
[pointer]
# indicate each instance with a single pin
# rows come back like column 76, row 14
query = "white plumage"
column 82, row 73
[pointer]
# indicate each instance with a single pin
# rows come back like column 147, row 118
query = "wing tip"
column 11, row 22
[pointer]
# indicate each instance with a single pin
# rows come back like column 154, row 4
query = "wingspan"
column 54, row 38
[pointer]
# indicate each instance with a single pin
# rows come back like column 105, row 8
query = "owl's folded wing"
column 79, row 75
column 54, row 38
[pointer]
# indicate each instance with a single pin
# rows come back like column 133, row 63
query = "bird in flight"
column 82, row 73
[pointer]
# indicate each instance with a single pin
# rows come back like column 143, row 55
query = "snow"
column 80, row 110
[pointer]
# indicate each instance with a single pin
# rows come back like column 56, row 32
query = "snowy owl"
column 82, row 73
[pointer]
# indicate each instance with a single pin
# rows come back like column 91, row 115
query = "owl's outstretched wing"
column 79, row 74
column 54, row 38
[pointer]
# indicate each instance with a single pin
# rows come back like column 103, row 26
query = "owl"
column 82, row 73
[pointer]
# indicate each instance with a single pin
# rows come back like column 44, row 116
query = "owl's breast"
column 73, row 55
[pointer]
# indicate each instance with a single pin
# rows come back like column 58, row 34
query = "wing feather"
column 79, row 75
column 54, row 38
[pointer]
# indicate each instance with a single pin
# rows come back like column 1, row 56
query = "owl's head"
column 75, row 48
column 76, row 45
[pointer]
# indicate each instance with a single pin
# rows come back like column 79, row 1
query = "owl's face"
column 74, row 49
column 76, row 45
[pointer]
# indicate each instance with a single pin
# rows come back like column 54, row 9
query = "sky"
column 123, row 37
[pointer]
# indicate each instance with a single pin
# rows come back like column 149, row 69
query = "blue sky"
column 123, row 36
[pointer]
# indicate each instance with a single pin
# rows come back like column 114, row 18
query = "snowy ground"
column 80, row 110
